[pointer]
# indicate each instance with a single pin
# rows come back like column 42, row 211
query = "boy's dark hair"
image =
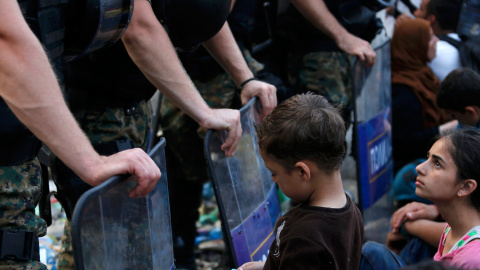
column 306, row 127
column 465, row 152
column 447, row 13
column 459, row 89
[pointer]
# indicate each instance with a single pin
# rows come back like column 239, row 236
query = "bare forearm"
column 226, row 52
column 29, row 87
column 317, row 13
column 427, row 230
column 150, row 48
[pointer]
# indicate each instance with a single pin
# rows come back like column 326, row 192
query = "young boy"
column 303, row 144
column 459, row 94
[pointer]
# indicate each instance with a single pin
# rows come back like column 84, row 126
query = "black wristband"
column 247, row 81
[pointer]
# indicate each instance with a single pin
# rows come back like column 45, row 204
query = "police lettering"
column 380, row 154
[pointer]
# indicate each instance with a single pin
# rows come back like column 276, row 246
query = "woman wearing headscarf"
column 415, row 115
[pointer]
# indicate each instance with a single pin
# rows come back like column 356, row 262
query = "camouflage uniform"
column 314, row 61
column 328, row 74
column 106, row 125
column 20, row 190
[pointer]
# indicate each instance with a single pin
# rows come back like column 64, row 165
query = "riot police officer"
column 116, row 83
column 31, row 98
column 320, row 38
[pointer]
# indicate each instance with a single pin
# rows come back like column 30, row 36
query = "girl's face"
column 432, row 46
column 437, row 176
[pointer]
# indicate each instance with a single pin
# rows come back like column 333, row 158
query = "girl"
column 449, row 179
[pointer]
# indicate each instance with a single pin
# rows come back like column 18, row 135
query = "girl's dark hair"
column 465, row 151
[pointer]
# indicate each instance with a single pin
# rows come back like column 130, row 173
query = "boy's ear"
column 303, row 170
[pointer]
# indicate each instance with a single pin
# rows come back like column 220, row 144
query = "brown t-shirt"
column 309, row 237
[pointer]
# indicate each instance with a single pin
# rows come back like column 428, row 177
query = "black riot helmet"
column 94, row 24
column 191, row 22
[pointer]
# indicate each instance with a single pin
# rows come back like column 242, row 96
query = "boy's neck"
column 328, row 191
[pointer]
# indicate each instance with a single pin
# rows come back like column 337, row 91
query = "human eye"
column 437, row 164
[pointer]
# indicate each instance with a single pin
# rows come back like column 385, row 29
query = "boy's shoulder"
column 305, row 220
column 317, row 238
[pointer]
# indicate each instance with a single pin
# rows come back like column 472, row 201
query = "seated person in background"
column 448, row 178
column 303, row 144
column 443, row 16
column 459, row 95
column 416, row 118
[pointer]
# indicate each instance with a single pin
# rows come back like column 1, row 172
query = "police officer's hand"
column 133, row 161
column 266, row 92
column 252, row 266
column 358, row 47
column 228, row 120
column 412, row 211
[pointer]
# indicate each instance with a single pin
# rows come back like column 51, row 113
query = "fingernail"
column 409, row 215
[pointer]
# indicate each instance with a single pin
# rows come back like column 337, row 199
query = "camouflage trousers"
column 20, row 190
column 327, row 74
column 102, row 126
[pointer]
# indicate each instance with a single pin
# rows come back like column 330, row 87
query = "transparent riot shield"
column 246, row 195
column 469, row 21
column 373, row 129
column 110, row 230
